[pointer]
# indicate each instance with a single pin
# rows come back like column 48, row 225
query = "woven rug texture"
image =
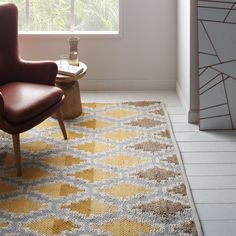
column 118, row 174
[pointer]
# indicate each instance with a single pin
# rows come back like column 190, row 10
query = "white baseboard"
column 126, row 85
column 181, row 97
column 193, row 115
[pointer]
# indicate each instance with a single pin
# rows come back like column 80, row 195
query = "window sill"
column 66, row 34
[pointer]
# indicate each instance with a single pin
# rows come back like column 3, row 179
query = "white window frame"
column 65, row 34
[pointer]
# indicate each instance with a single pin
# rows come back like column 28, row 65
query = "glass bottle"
column 73, row 56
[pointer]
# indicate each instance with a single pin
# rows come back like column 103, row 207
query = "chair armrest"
column 41, row 72
column 1, row 108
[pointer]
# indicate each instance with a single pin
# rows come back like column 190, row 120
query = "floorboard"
column 184, row 127
column 210, row 169
column 217, row 211
column 212, row 182
column 214, row 196
column 219, row 228
column 199, row 136
column 178, row 118
column 175, row 110
column 207, row 146
column 209, row 157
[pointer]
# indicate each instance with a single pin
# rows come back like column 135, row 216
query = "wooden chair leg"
column 16, row 145
column 61, row 123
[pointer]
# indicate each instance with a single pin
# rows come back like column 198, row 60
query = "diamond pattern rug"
column 119, row 173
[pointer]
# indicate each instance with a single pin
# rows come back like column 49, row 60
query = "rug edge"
column 180, row 160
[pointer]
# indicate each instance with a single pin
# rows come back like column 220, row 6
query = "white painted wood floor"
column 209, row 158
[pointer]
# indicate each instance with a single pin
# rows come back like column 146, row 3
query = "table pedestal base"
column 71, row 108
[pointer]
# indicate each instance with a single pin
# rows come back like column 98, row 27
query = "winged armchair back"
column 27, row 89
column 8, row 43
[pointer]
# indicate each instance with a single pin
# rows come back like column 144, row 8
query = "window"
column 68, row 15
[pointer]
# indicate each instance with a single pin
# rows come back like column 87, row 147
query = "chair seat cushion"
column 23, row 101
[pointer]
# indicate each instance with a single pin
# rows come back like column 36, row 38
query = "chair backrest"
column 8, row 42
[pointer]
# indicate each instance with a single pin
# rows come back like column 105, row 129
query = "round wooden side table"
column 71, row 108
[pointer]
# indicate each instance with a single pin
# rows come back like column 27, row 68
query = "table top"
column 68, row 78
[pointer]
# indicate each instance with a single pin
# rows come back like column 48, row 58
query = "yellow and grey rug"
column 119, row 174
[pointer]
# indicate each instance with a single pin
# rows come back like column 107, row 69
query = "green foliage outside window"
column 57, row 15
column 97, row 15
column 49, row 15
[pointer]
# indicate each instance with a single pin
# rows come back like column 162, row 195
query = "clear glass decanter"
column 73, row 56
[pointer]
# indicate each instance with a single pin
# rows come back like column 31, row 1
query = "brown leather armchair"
column 27, row 89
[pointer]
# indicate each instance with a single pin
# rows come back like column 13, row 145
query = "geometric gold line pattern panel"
column 217, row 63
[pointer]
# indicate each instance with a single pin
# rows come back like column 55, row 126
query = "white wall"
column 183, row 40
column 144, row 57
column 187, row 79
